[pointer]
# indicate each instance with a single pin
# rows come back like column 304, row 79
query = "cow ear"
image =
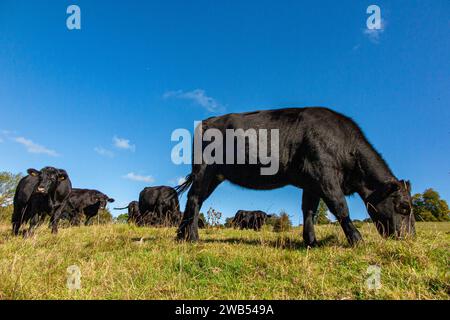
column 408, row 185
column 33, row 172
column 383, row 192
column 111, row 200
column 62, row 175
column 389, row 188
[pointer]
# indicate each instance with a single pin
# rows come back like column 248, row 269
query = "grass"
column 126, row 262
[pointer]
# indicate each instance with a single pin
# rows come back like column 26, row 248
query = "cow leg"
column 88, row 219
column 205, row 182
column 34, row 223
column 55, row 217
column 75, row 220
column 310, row 202
column 17, row 218
column 335, row 200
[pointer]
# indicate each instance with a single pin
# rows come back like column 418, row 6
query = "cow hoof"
column 184, row 235
column 311, row 244
column 355, row 239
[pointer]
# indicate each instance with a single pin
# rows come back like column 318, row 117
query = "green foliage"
column 428, row 206
column 228, row 222
column 8, row 184
column 272, row 220
column 321, row 216
column 201, row 216
column 282, row 223
column 103, row 217
column 122, row 218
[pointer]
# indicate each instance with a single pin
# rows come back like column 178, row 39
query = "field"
column 126, row 262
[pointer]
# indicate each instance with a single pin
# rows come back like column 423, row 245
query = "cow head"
column 101, row 199
column 49, row 178
column 390, row 208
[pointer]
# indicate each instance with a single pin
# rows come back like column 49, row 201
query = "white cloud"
column 124, row 144
column 197, row 96
column 34, row 147
column 104, row 152
column 136, row 177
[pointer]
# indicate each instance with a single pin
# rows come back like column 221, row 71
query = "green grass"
column 126, row 262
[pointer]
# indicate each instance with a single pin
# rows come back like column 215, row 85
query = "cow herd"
column 49, row 192
column 318, row 150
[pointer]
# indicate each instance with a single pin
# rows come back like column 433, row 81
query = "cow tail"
column 185, row 185
column 122, row 208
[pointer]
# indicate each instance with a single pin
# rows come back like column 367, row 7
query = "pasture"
column 119, row 261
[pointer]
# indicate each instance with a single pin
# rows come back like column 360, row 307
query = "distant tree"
column 103, row 217
column 8, row 185
column 228, row 222
column 122, row 218
column 428, row 206
column 272, row 220
column 282, row 223
column 202, row 217
column 321, row 216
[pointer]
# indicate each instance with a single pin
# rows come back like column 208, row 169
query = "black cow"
column 40, row 193
column 133, row 211
column 250, row 219
column 159, row 206
column 320, row 151
column 85, row 201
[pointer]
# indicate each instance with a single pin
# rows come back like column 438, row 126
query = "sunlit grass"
column 126, row 262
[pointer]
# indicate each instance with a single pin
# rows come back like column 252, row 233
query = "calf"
column 40, row 193
column 85, row 201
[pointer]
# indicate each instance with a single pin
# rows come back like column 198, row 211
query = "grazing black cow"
column 133, row 211
column 250, row 219
column 85, row 201
column 321, row 151
column 159, row 206
column 40, row 193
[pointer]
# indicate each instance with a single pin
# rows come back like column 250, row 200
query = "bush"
column 122, row 218
column 228, row 223
column 282, row 223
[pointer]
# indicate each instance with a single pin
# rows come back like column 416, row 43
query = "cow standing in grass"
column 320, row 151
column 133, row 211
column 159, row 206
column 39, row 193
column 87, row 202
column 250, row 219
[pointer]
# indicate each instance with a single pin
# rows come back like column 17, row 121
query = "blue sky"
column 103, row 101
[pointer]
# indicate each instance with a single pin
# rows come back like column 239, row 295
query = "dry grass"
column 126, row 262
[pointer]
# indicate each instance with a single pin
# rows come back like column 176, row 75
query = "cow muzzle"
column 41, row 190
